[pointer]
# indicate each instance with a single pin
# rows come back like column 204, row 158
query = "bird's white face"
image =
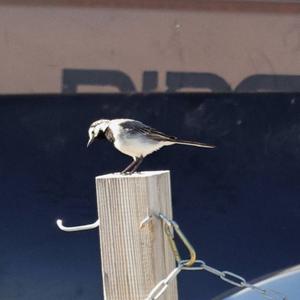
column 97, row 128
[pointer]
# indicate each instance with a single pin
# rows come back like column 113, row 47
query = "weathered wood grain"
column 134, row 260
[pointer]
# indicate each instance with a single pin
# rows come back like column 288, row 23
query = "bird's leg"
column 130, row 166
column 136, row 165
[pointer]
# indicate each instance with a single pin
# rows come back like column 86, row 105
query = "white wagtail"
column 134, row 138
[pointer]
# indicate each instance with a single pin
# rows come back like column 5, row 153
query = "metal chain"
column 235, row 279
column 161, row 287
column 192, row 264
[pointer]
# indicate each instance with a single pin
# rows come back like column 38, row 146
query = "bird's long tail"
column 195, row 144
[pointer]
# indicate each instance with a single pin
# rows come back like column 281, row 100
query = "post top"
column 134, row 175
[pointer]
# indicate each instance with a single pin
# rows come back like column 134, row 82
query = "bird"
column 135, row 139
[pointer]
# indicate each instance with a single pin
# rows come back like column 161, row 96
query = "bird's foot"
column 128, row 172
column 133, row 166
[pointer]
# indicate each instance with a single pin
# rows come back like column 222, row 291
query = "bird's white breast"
column 137, row 147
column 134, row 145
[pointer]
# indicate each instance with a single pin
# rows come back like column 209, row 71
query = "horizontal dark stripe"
column 267, row 6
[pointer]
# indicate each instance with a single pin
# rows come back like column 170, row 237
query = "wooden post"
column 134, row 260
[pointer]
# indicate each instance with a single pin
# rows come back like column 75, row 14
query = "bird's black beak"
column 91, row 140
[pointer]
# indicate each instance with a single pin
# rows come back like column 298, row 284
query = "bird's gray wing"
column 157, row 135
column 135, row 127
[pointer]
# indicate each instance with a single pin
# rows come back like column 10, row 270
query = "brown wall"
column 92, row 46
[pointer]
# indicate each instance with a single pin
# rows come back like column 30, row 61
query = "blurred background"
column 221, row 72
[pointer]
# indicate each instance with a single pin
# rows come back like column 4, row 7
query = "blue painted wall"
column 238, row 204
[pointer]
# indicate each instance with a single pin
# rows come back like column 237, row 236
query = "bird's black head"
column 97, row 129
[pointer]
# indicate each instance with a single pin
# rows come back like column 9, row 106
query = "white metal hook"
column 60, row 225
